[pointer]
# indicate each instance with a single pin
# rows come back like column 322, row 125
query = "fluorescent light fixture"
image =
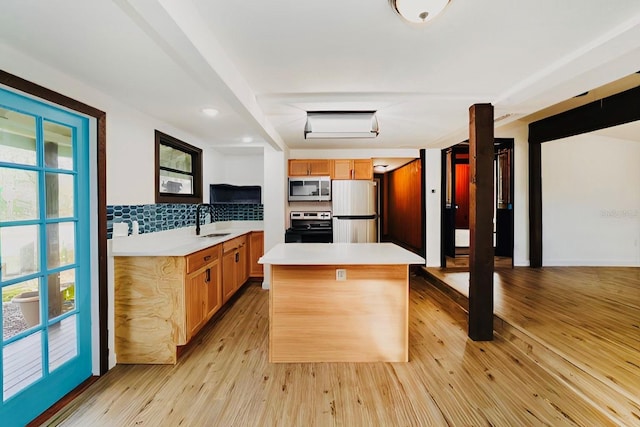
column 418, row 11
column 211, row 112
column 341, row 124
column 247, row 139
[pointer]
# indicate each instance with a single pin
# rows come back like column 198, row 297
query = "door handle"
column 207, row 278
column 237, row 256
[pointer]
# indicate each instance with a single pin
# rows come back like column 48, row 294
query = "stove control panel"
column 311, row 215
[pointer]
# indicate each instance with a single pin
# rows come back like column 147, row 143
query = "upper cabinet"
column 352, row 169
column 302, row 167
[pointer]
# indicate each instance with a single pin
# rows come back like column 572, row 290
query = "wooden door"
column 342, row 169
column 213, row 300
column 242, row 265
column 195, row 286
column 256, row 250
column 228, row 274
column 504, row 199
column 320, row 167
column 298, row 167
column 363, row 169
column 449, row 205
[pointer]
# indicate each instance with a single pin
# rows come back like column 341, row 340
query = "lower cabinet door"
column 213, row 290
column 194, row 296
column 228, row 275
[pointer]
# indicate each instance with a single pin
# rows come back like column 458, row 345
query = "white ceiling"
column 264, row 63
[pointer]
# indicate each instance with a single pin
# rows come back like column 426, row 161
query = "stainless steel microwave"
column 309, row 188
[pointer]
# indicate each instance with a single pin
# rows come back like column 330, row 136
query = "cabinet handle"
column 237, row 257
column 207, row 258
column 208, row 276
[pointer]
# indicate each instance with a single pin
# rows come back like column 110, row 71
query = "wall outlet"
column 341, row 274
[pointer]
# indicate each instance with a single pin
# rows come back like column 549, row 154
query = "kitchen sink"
column 215, row 235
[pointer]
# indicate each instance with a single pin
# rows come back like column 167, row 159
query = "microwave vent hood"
column 235, row 194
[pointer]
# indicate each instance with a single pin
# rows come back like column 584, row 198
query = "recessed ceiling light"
column 247, row 139
column 211, row 112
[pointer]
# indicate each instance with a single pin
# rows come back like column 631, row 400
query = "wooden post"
column 481, row 201
column 535, row 204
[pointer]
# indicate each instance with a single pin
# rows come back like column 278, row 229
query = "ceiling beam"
column 178, row 29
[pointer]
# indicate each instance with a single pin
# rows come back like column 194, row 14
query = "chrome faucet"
column 207, row 206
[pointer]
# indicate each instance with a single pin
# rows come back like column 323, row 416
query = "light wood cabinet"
column 203, row 293
column 161, row 302
column 235, row 266
column 304, row 167
column 352, row 169
column 256, row 250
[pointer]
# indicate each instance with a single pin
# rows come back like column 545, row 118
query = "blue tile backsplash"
column 167, row 216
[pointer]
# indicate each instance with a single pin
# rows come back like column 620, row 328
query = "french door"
column 44, row 255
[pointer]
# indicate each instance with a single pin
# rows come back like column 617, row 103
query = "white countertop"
column 339, row 254
column 180, row 241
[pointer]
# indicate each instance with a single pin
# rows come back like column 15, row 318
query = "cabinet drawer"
column 232, row 244
column 201, row 258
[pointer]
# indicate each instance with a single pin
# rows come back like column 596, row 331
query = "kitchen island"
column 339, row 302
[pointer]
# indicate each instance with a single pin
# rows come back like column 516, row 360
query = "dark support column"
column 481, row 155
column 535, row 204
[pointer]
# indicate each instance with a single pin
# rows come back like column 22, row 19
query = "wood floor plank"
column 225, row 379
column 589, row 316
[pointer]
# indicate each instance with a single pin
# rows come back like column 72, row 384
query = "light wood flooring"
column 225, row 380
column 582, row 323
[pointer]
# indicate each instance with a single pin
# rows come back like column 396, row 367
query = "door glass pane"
column 18, row 194
column 17, row 137
column 63, row 344
column 20, row 308
column 18, row 251
column 60, row 244
column 21, row 364
column 174, row 159
column 58, row 146
column 177, row 183
column 61, row 292
column 59, row 193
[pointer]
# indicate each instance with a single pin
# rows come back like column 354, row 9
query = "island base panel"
column 316, row 318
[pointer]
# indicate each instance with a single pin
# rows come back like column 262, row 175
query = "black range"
column 309, row 227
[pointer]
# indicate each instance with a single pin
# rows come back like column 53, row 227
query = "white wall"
column 433, row 199
column 130, row 133
column 591, row 201
column 519, row 131
column 274, row 193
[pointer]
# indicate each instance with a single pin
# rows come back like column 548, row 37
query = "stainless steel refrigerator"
column 354, row 211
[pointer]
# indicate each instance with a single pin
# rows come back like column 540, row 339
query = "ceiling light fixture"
column 247, row 139
column 211, row 112
column 418, row 11
column 341, row 124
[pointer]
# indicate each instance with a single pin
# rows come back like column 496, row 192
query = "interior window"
column 178, row 171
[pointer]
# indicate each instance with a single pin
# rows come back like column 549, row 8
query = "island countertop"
column 339, row 254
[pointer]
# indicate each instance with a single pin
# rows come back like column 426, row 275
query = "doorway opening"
column 455, row 207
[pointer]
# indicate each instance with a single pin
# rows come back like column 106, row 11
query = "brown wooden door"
column 228, row 275
column 256, row 250
column 342, row 169
column 194, row 290
column 298, row 167
column 214, row 290
column 320, row 167
column 363, row 169
column 242, row 265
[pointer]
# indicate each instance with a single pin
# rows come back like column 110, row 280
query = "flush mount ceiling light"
column 418, row 11
column 210, row 112
column 341, row 124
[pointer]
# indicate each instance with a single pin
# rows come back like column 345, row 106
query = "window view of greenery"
column 20, row 205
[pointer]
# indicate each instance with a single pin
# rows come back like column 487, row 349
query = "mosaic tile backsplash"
column 167, row 216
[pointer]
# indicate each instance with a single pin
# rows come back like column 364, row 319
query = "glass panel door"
column 44, row 256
